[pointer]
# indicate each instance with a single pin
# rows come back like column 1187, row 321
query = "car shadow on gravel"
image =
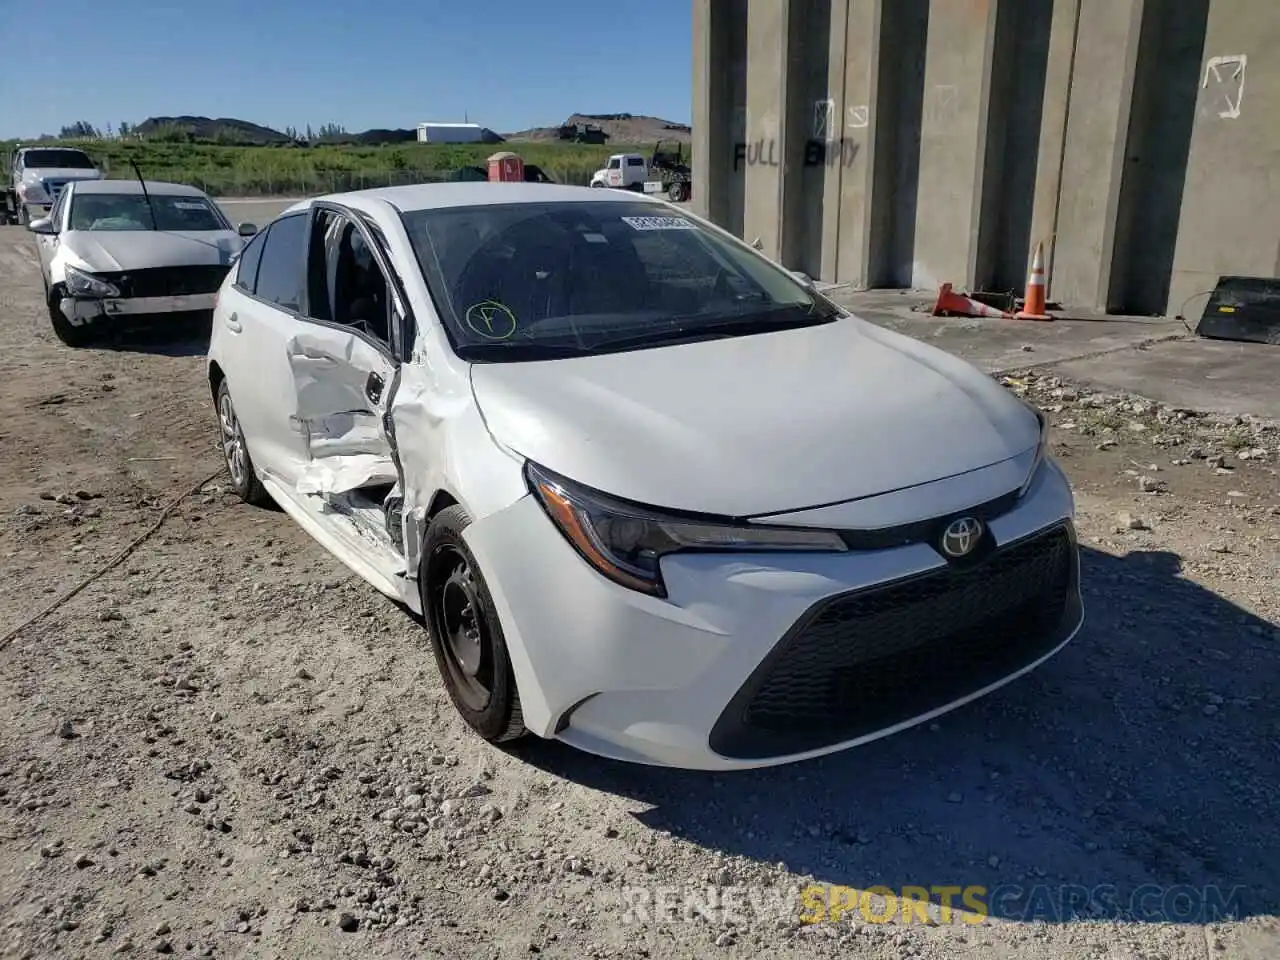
column 1133, row 775
column 186, row 338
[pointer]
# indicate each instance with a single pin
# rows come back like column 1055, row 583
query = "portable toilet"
column 506, row 167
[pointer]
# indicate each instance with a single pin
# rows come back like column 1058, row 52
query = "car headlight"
column 33, row 192
column 81, row 284
column 626, row 542
column 1042, row 447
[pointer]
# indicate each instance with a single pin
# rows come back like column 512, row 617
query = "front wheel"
column 678, row 192
column 597, row 184
column 63, row 329
column 466, row 635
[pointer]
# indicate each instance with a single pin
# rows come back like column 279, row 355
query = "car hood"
column 112, row 250
column 60, row 173
column 760, row 424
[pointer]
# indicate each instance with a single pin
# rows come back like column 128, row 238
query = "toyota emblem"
column 961, row 537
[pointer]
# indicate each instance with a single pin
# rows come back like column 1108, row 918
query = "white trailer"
column 450, row 133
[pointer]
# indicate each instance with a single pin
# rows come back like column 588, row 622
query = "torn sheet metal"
column 333, row 371
column 342, row 474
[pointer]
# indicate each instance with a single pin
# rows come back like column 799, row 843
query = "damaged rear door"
column 345, row 367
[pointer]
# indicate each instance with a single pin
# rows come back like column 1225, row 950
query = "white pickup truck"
column 37, row 176
column 663, row 173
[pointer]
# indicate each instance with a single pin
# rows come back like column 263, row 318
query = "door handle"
column 233, row 323
column 373, row 388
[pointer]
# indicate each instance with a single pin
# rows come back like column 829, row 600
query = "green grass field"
column 282, row 171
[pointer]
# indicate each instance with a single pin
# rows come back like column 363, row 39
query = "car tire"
column 23, row 217
column 678, row 192
column 235, row 453
column 72, row 336
column 597, row 184
column 465, row 632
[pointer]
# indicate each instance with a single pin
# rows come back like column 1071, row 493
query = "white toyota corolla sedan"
column 653, row 495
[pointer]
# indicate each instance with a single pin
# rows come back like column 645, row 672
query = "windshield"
column 52, row 159
column 129, row 211
column 541, row 280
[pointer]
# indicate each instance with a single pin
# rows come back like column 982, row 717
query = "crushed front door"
column 343, row 387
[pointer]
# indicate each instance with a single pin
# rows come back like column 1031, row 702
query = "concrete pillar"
column 705, row 113
column 1053, row 130
column 853, row 62
column 1230, row 221
column 953, row 138
column 714, row 105
column 768, row 141
column 1092, row 164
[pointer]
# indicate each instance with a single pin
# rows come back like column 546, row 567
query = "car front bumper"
column 82, row 310
column 762, row 659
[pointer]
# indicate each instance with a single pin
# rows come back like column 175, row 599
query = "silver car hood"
column 113, row 250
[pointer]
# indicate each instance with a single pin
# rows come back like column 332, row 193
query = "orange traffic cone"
column 1033, row 307
column 954, row 303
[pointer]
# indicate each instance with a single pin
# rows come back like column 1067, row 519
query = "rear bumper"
column 80, row 311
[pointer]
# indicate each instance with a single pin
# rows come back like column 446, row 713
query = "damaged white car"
column 126, row 251
column 654, row 496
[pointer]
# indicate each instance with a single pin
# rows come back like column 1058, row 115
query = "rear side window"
column 247, row 270
column 635, row 162
column 282, row 263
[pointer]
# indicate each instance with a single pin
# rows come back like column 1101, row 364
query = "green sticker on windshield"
column 659, row 223
column 491, row 320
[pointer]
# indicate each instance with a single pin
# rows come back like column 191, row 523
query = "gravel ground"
column 227, row 745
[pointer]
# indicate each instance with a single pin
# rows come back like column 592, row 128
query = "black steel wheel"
column 678, row 192
column 466, row 635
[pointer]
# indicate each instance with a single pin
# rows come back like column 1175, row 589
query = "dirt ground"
column 228, row 746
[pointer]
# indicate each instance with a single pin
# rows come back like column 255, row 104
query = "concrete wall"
column 900, row 143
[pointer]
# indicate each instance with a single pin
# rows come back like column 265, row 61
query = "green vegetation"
column 301, row 170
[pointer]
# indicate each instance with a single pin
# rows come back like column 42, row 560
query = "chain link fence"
column 312, row 183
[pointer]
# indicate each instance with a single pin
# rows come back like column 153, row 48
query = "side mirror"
column 43, row 226
column 247, row 229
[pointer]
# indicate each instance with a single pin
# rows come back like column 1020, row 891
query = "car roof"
column 434, row 196
column 157, row 187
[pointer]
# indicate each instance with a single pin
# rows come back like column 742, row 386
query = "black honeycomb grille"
column 168, row 281
column 868, row 660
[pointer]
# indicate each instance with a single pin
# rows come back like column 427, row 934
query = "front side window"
column 346, row 284
column 247, row 263
column 55, row 215
column 131, row 211
column 613, row 163
column 283, row 263
column 536, row 280
column 55, row 158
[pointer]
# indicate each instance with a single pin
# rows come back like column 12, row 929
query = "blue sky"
column 506, row 64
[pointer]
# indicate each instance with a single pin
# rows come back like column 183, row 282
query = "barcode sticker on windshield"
column 659, row 223
column 189, row 205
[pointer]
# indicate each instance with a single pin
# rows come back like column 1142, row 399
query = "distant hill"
column 227, row 129
column 621, row 128
column 230, row 131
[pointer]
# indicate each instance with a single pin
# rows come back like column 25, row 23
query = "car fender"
column 451, row 452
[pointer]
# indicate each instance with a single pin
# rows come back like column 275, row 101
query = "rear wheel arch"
column 216, row 376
